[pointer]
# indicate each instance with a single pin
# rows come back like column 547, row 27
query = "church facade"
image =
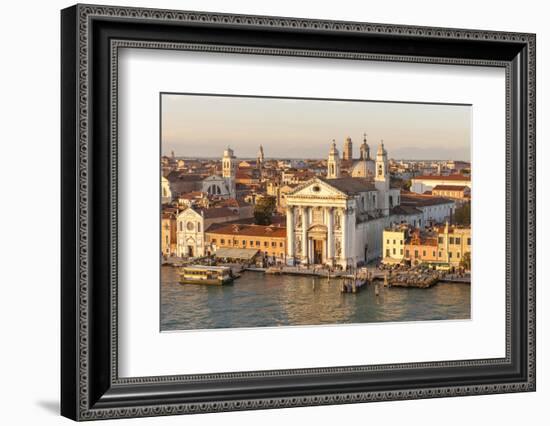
column 340, row 220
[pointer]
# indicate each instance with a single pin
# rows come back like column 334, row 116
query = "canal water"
column 262, row 300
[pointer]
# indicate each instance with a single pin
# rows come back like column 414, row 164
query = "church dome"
column 363, row 168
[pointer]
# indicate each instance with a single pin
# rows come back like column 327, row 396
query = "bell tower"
column 348, row 149
column 333, row 163
column 382, row 179
column 229, row 171
column 229, row 164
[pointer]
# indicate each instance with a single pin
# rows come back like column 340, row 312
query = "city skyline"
column 201, row 126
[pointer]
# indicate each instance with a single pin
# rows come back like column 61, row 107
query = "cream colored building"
column 423, row 183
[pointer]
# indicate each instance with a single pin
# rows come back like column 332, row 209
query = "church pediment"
column 316, row 188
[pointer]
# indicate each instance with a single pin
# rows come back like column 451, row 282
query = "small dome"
column 363, row 168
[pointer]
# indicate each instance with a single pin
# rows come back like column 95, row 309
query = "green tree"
column 466, row 261
column 462, row 215
column 263, row 210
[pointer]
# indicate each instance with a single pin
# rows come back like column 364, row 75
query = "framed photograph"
column 263, row 212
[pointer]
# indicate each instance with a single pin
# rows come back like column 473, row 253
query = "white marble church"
column 340, row 220
column 224, row 185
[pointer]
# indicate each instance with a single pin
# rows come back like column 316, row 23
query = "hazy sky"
column 202, row 126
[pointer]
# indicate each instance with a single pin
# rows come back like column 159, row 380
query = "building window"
column 416, row 254
column 257, row 244
column 394, row 251
column 440, row 254
column 222, row 241
column 244, row 243
column 469, row 241
column 457, row 240
column 394, row 242
column 251, row 243
column 440, row 240
column 401, row 251
column 273, row 244
column 266, row 244
column 451, row 240
column 433, row 253
column 387, row 241
column 424, row 253
column 198, row 226
column 450, row 255
column 458, row 255
column 280, row 244
column 181, row 226
column 387, row 252
column 213, row 240
column 401, row 242
column 406, row 253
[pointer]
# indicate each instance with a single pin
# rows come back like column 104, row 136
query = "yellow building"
column 453, row 243
column 445, row 245
column 168, row 232
column 393, row 244
column 269, row 240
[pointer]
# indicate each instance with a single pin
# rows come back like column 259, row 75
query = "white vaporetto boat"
column 210, row 275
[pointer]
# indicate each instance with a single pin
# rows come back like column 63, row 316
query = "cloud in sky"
column 202, row 126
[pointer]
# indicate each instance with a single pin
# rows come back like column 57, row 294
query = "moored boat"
column 209, row 275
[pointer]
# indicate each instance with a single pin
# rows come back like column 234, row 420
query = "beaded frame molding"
column 91, row 38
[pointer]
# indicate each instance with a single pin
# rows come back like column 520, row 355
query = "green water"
column 261, row 300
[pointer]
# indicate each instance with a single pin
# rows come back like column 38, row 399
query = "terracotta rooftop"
column 192, row 194
column 178, row 176
column 449, row 188
column 443, row 177
column 350, row 185
column 247, row 230
column 421, row 200
column 218, row 212
column 405, row 210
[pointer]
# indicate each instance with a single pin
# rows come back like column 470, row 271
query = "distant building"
column 459, row 192
column 423, row 183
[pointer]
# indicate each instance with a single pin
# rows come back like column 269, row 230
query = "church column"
column 290, row 232
column 345, row 235
column 330, row 235
column 305, row 224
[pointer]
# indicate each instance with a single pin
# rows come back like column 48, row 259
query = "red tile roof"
column 218, row 212
column 449, row 188
column 442, row 177
column 248, row 230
